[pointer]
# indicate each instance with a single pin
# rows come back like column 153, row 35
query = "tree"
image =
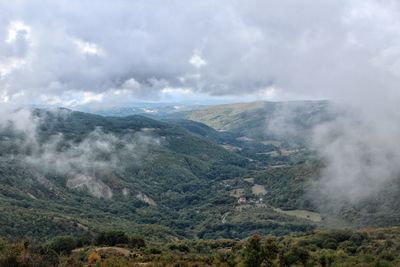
column 112, row 238
column 303, row 255
column 63, row 244
column 137, row 242
column 260, row 252
column 294, row 255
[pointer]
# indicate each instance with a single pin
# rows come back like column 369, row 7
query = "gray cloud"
column 360, row 153
column 307, row 48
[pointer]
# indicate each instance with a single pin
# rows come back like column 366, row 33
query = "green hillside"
column 79, row 173
column 85, row 173
column 286, row 122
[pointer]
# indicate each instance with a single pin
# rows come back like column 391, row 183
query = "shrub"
column 63, row 244
column 94, row 258
column 179, row 247
column 137, row 242
column 112, row 238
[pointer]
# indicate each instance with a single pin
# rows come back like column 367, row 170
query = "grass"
column 302, row 214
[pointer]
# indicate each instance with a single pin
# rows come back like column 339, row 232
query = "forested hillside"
column 81, row 173
column 73, row 172
column 66, row 173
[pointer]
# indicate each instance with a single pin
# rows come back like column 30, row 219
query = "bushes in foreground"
column 323, row 248
column 52, row 253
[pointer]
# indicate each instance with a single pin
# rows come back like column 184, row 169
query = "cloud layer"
column 81, row 52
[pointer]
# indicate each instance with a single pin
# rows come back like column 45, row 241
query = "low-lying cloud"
column 360, row 153
column 84, row 164
column 98, row 152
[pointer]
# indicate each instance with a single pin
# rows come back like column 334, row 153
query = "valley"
column 181, row 172
column 167, row 178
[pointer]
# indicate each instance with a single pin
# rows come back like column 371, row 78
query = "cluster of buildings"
column 243, row 200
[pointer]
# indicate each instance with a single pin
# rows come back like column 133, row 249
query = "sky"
column 113, row 53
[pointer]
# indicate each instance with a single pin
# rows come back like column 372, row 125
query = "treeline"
column 372, row 247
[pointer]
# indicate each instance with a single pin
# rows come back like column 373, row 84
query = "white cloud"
column 196, row 60
column 10, row 65
column 89, row 97
column 131, row 84
column 87, row 48
column 169, row 90
column 17, row 28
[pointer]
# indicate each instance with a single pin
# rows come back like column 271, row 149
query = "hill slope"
column 82, row 173
column 70, row 172
column 287, row 122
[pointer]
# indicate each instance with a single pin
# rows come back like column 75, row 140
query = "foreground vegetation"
column 368, row 247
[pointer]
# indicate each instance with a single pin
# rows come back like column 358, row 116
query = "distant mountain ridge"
column 287, row 122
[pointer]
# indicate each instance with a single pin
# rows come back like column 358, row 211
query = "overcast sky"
column 95, row 52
